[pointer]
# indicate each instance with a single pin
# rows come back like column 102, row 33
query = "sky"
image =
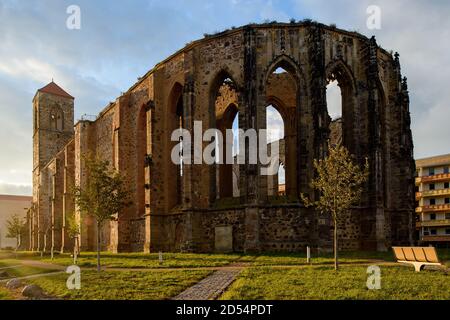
column 120, row 41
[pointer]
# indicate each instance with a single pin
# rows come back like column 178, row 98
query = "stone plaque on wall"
column 224, row 239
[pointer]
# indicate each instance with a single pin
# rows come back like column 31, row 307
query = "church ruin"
column 203, row 208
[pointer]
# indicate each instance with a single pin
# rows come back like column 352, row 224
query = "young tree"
column 103, row 195
column 73, row 231
column 339, row 182
column 15, row 227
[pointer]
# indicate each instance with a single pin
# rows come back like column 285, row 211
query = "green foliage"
column 15, row 226
column 339, row 181
column 72, row 226
column 104, row 194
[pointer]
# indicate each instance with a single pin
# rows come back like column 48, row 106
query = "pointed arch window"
column 56, row 119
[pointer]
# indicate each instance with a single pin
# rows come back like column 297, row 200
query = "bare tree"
column 103, row 195
column 339, row 182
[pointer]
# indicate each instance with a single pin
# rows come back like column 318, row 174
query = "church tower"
column 53, row 128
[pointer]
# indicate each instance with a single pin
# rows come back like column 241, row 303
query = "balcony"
column 433, row 223
column 436, row 208
column 435, row 193
column 436, row 178
column 419, row 196
column 436, row 238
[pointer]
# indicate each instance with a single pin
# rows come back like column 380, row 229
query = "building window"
column 56, row 119
column 431, row 171
column 447, row 200
column 432, row 186
column 432, row 202
column 446, row 185
column 447, row 231
column 433, row 216
column 433, row 232
column 445, row 170
column 447, row 216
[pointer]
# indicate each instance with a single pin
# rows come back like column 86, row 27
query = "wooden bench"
column 419, row 257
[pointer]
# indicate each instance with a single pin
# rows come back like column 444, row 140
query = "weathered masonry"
column 221, row 207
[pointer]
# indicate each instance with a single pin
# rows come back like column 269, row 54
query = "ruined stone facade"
column 212, row 80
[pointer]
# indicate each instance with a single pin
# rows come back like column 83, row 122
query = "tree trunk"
column 98, row 246
column 336, row 265
column 75, row 250
column 17, row 246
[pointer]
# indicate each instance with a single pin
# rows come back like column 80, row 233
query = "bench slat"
column 431, row 254
column 420, row 254
column 409, row 254
column 399, row 253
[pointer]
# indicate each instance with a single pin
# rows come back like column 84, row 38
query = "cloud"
column 420, row 32
column 275, row 125
column 15, row 189
column 334, row 100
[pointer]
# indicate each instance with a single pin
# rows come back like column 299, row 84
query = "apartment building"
column 433, row 200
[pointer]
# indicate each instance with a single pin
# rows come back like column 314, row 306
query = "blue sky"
column 120, row 41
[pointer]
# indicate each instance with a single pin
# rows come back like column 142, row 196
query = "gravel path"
column 211, row 287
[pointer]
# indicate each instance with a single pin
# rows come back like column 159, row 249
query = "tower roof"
column 53, row 88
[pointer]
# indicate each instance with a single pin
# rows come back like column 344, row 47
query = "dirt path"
column 39, row 275
column 40, row 264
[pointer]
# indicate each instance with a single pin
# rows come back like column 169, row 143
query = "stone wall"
column 213, row 78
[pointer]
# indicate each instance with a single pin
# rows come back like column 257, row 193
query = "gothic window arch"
column 175, row 121
column 341, row 104
column 224, row 116
column 56, row 119
column 284, row 90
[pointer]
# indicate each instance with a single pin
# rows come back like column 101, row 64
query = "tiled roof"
column 53, row 88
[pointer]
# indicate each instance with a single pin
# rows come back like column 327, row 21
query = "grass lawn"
column 347, row 257
column 261, row 280
column 270, row 259
column 138, row 260
column 141, row 260
column 188, row 260
column 321, row 282
column 122, row 285
column 5, row 294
